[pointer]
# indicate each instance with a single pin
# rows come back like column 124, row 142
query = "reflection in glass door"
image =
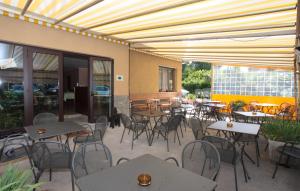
column 101, row 87
column 11, row 89
column 45, row 82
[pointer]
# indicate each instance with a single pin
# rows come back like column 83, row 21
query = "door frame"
column 91, row 105
column 28, row 101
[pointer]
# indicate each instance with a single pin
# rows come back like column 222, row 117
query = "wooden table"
column 165, row 176
column 53, row 129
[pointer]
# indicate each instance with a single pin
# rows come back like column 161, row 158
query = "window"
column 252, row 81
column 166, row 79
column 11, row 87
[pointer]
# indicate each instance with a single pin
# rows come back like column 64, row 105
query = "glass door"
column 101, row 81
column 46, row 80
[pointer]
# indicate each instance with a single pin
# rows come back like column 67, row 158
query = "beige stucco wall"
column 22, row 32
column 144, row 74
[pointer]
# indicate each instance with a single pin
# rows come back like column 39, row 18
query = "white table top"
column 165, row 177
column 250, row 114
column 215, row 105
column 245, row 128
column 265, row 104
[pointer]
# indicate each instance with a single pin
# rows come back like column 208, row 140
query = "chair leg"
column 74, row 146
column 257, row 153
column 133, row 134
column 122, row 136
column 235, row 177
column 167, row 138
column 277, row 164
column 178, row 138
column 72, row 180
column 181, row 130
column 50, row 174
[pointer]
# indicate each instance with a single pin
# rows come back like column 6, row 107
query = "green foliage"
column 14, row 179
column 282, row 130
column 237, row 105
column 191, row 96
column 198, row 79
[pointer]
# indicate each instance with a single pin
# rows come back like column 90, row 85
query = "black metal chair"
column 136, row 128
column 14, row 146
column 200, row 157
column 46, row 155
column 96, row 134
column 46, row 117
column 199, row 127
column 164, row 129
column 289, row 151
column 228, row 154
column 90, row 158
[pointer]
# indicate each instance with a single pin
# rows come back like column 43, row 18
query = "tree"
column 196, row 75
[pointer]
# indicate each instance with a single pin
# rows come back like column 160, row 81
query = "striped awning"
column 233, row 32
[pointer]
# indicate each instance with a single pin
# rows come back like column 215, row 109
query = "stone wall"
column 122, row 104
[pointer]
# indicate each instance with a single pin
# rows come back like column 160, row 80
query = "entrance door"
column 101, row 88
column 46, row 85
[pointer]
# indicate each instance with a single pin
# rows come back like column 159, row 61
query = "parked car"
column 52, row 89
column 19, row 88
column 102, row 90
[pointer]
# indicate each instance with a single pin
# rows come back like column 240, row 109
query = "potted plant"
column 278, row 132
column 14, row 179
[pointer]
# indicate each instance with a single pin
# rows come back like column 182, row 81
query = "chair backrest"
column 201, row 157
column 14, row 146
column 45, row 153
column 44, row 118
column 91, row 158
column 173, row 122
column 197, row 127
column 101, row 126
column 226, row 148
column 127, row 122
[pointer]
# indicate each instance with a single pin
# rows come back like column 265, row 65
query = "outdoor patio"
column 261, row 177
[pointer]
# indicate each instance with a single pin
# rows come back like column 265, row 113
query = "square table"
column 165, row 176
column 215, row 105
column 251, row 114
column 244, row 128
column 53, row 129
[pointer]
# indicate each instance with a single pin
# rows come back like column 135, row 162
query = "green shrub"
column 14, row 179
column 237, row 105
column 282, row 130
column 191, row 96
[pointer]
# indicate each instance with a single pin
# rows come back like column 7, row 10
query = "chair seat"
column 290, row 151
column 13, row 154
column 80, row 133
column 84, row 139
column 227, row 156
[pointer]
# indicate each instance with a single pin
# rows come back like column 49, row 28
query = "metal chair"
column 290, row 151
column 96, row 134
column 46, row 155
column 228, row 154
column 136, row 128
column 14, row 146
column 198, row 127
column 166, row 127
column 44, row 118
column 200, row 157
column 91, row 158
